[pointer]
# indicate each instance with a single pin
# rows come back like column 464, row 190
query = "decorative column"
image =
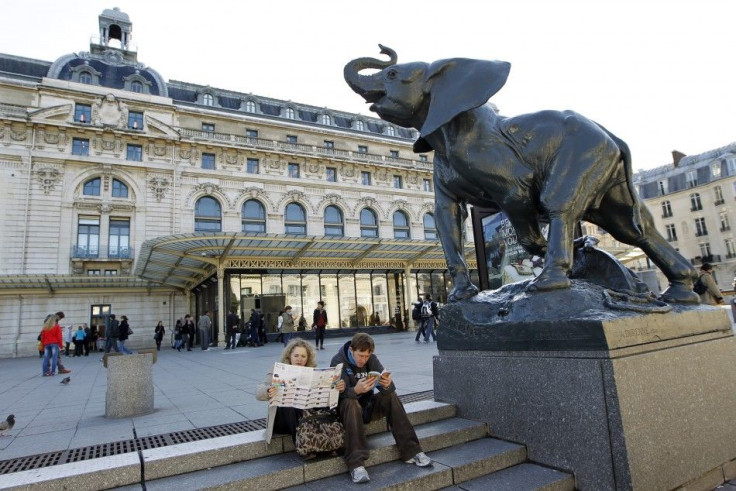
column 220, row 300
column 407, row 300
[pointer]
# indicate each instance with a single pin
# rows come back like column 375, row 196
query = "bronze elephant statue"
column 555, row 166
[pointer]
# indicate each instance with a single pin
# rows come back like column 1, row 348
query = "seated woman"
column 284, row 420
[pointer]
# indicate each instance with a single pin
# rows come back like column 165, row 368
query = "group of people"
column 425, row 314
column 185, row 331
column 362, row 399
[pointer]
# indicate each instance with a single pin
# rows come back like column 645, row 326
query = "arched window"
column 325, row 119
column 250, row 107
column 92, row 187
column 295, row 219
column 368, row 223
column 334, row 224
column 430, row 232
column 390, row 131
column 208, row 100
column 290, row 113
column 136, row 86
column 207, row 215
column 119, row 190
column 359, row 125
column 401, row 225
column 85, row 77
column 254, row 216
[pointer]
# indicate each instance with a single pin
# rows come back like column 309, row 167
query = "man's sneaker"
column 360, row 475
column 420, row 459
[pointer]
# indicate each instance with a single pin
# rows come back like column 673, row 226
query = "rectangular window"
column 119, row 239
column 293, row 139
column 719, row 195
column 134, row 152
column 695, row 203
column 83, row 113
column 666, row 209
column 252, row 166
column 135, row 120
column 88, row 237
column 398, row 182
column 662, row 186
column 725, row 225
column 93, row 272
column 427, row 185
column 80, row 146
column 365, row 178
column 362, row 149
column 691, row 178
column 394, row 154
column 331, row 174
column 671, row 232
column 208, row 161
column 329, row 146
column 715, row 170
column 251, row 133
column 731, row 166
column 111, row 272
column 422, row 158
column 730, row 250
column 700, row 228
column 294, row 171
column 705, row 249
column 208, row 127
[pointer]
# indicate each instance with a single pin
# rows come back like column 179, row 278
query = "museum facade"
column 127, row 194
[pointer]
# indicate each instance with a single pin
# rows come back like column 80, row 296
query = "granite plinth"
column 649, row 415
column 129, row 386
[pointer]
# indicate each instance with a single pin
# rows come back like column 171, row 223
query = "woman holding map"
column 284, row 420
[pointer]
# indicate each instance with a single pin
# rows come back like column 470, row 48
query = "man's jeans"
column 50, row 351
column 111, row 343
column 230, row 339
column 429, row 329
column 123, row 348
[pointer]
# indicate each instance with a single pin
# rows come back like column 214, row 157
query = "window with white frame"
column 119, row 239
column 325, row 119
column 290, row 113
column 666, row 209
column 671, row 232
column 83, row 113
column 695, row 203
column 715, row 169
column 88, row 237
column 390, row 131
column 718, row 195
column 700, row 228
column 723, row 218
column 731, row 166
column 250, row 106
column 359, row 125
column 208, row 100
column 730, row 250
column 691, row 178
column 135, row 120
column 704, row 249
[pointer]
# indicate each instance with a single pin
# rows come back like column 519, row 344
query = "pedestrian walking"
column 232, row 324
column 52, row 342
column 158, row 334
column 189, row 331
column 111, row 334
column 204, row 325
column 286, row 324
column 254, row 322
column 179, row 334
column 123, row 333
column 709, row 292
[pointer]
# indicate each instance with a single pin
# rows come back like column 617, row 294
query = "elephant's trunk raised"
column 362, row 84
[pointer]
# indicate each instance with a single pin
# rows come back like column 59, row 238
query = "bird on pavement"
column 7, row 425
column 66, row 380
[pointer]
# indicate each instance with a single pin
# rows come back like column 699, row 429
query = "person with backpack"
column 428, row 314
column 706, row 287
column 416, row 315
column 111, row 335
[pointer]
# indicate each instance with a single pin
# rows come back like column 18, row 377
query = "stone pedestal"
column 129, row 386
column 645, row 405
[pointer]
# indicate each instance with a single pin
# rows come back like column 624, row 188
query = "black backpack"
column 699, row 287
column 416, row 312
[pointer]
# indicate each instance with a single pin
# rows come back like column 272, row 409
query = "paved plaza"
column 191, row 390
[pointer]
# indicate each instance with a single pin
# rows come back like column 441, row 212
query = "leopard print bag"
column 319, row 430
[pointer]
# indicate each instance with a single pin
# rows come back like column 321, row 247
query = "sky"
column 660, row 74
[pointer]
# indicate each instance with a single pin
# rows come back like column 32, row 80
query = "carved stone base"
column 651, row 407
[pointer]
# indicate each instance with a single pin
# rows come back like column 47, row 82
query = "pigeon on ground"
column 7, row 425
column 66, row 380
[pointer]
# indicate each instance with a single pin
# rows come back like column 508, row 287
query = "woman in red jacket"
column 51, row 339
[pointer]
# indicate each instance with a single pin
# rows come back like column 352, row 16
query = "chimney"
column 676, row 157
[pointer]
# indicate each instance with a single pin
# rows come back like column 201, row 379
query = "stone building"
column 127, row 194
column 692, row 201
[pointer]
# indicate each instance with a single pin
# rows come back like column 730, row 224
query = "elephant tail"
column 628, row 173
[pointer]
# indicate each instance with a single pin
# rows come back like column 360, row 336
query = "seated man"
column 359, row 405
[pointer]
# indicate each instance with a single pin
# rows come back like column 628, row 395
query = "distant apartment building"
column 692, row 201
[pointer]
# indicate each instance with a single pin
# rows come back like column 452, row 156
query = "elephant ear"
column 458, row 85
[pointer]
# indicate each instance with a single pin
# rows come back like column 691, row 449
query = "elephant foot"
column 549, row 281
column 461, row 293
column 678, row 293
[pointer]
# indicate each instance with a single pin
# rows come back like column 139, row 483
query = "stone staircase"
column 465, row 458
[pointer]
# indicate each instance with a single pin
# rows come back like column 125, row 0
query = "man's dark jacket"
column 351, row 374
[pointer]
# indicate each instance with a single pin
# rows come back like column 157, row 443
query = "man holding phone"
column 360, row 404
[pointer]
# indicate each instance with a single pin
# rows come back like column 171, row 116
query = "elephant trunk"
column 364, row 84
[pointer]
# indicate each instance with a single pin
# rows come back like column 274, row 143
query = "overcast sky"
column 658, row 73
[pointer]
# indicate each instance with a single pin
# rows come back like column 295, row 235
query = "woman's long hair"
column 49, row 322
column 299, row 343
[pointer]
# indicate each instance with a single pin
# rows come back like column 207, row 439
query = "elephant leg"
column 618, row 221
column 526, row 226
column 558, row 260
column 449, row 217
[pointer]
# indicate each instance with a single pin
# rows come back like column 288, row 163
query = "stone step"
column 451, row 465
column 523, row 476
column 125, row 469
column 287, row 469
